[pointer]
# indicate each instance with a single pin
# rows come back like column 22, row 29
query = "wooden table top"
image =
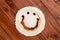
column 9, row 8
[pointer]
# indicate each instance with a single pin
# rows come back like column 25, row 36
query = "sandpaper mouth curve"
column 25, row 27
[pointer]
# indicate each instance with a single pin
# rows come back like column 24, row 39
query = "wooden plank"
column 9, row 8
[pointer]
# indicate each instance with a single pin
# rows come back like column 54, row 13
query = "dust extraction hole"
column 34, row 13
column 27, row 12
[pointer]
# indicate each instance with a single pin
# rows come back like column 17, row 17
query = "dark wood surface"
column 9, row 8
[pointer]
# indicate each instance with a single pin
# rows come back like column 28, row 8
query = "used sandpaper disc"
column 30, row 21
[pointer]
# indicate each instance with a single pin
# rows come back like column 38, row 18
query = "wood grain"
column 9, row 8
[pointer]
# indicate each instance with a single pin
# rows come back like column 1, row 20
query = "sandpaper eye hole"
column 34, row 13
column 27, row 12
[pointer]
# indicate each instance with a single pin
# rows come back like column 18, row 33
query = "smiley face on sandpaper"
column 30, row 21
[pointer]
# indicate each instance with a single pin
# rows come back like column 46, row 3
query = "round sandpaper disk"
column 30, row 21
